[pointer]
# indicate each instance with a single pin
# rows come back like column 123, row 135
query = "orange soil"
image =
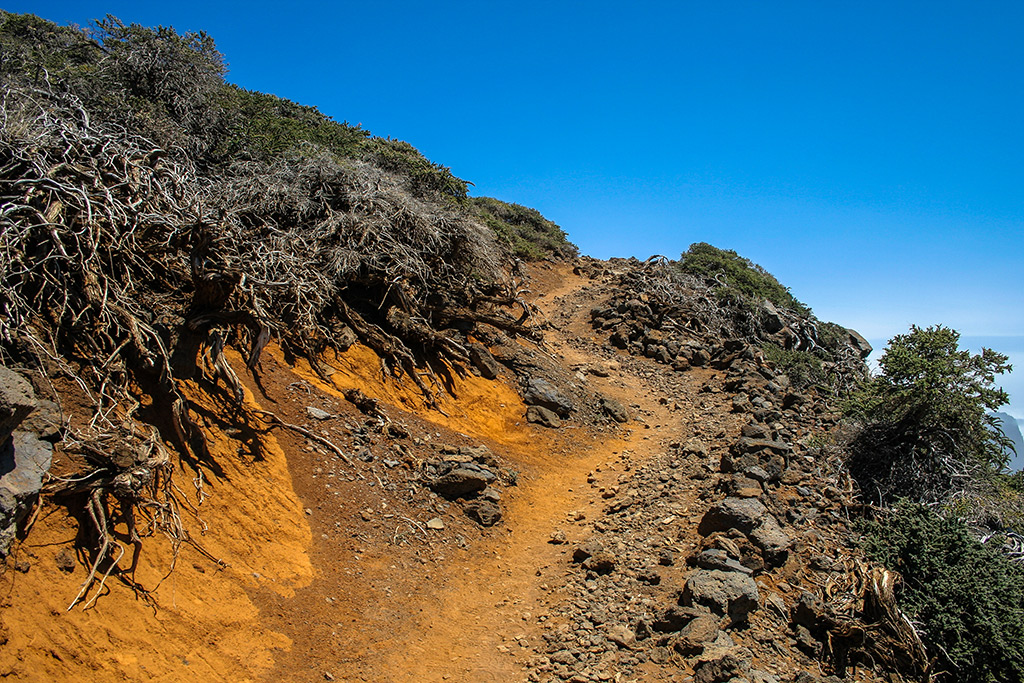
column 307, row 594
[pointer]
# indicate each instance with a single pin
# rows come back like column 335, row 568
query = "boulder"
column 770, row 318
column 733, row 594
column 461, row 479
column 483, row 361
column 24, row 460
column 543, row 417
column 614, row 410
column 859, row 343
column 17, row 400
column 541, row 392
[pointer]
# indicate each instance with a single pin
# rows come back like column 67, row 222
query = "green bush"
column 266, row 127
column 968, row 598
column 525, row 231
column 738, row 279
column 932, row 400
column 803, row 369
column 424, row 176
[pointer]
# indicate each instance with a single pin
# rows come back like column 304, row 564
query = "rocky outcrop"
column 24, row 457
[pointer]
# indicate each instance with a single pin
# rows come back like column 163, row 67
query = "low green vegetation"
column 738, row 280
column 804, row 369
column 967, row 599
column 170, row 87
column 524, row 231
column 927, row 454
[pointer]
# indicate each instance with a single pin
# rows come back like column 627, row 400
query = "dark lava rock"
column 587, row 550
column 721, row 666
column 745, row 514
column 730, row 593
column 714, row 558
column 541, row 392
column 483, row 361
column 24, row 460
column 614, row 410
column 17, row 400
column 484, row 512
column 696, row 635
column 675, row 618
column 462, row 479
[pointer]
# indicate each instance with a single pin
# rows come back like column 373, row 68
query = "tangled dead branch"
column 127, row 270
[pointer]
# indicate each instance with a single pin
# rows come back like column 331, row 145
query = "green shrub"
column 968, row 598
column 738, row 279
column 424, row 176
column 932, row 400
column 803, row 369
column 525, row 231
column 267, row 126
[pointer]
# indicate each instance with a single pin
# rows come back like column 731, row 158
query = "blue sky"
column 870, row 155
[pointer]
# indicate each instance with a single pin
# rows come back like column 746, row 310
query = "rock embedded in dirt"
column 622, row 636
column 600, row 563
column 17, row 400
column 65, row 561
column 614, row 410
column 733, row 594
column 24, row 459
column 543, row 417
column 719, row 666
column 696, row 635
column 587, row 550
column 484, row 512
column 317, row 413
column 461, row 479
column 435, row 523
column 483, row 361
column 541, row 392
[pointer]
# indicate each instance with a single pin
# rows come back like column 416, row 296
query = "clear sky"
column 870, row 154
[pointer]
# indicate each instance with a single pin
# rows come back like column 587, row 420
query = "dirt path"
column 496, row 600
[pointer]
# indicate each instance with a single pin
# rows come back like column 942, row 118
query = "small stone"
column 484, row 512
column 317, row 413
column 65, row 560
column 614, row 410
column 435, row 523
column 621, row 636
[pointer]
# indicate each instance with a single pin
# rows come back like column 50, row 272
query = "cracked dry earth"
column 355, row 571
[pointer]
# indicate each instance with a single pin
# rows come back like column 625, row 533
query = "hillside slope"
column 312, row 566
column 279, row 401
